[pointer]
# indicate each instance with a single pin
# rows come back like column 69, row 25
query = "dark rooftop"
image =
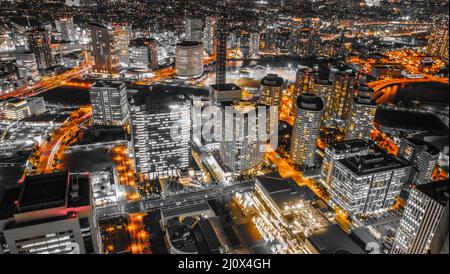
column 272, row 80
column 371, row 163
column 226, row 87
column 43, row 191
column 353, row 145
column 189, row 43
column 309, row 102
column 140, row 42
column 333, row 240
column 437, row 191
column 431, row 149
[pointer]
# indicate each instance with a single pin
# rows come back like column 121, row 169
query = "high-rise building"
column 254, row 44
column 193, row 29
column 368, row 183
column 18, row 109
column 309, row 110
column 210, row 34
column 422, row 155
column 221, row 51
column 143, row 53
column 104, row 50
column 438, row 41
column 49, row 214
column 26, row 64
column 241, row 147
column 155, row 116
column 343, row 94
column 338, row 151
column 324, row 89
column 122, row 34
column 424, row 226
column 304, row 80
column 109, row 102
column 360, row 122
column 39, row 41
column 189, row 59
column 66, row 28
column 271, row 90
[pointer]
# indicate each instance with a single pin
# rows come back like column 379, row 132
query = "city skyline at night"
column 229, row 127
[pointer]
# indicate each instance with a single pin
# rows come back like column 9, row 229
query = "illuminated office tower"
column 49, row 214
column 343, row 94
column 254, row 44
column 362, row 114
column 438, row 41
column 189, row 59
column 143, row 53
column 422, row 155
column 66, row 28
column 338, row 151
column 193, row 29
column 423, row 228
column 155, row 113
column 209, row 35
column 304, row 80
column 271, row 90
column 306, row 130
column 368, row 183
column 26, row 64
column 221, row 51
column 109, row 102
column 104, row 50
column 324, row 88
column 238, row 150
column 122, row 34
column 39, row 41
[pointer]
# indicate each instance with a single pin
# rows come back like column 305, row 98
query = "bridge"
column 381, row 84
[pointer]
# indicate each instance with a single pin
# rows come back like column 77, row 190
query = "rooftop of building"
column 108, row 84
column 284, row 191
column 352, row 145
column 437, row 191
column 378, row 161
column 139, row 42
column 226, row 87
column 333, row 240
column 322, row 81
column 189, row 44
column 272, row 80
column 429, row 148
column 54, row 190
column 308, row 101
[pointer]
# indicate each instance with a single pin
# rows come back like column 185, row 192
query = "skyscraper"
column 122, row 34
column 241, row 147
column 221, row 51
column 193, row 29
column 39, row 41
column 343, row 94
column 338, row 151
column 157, row 116
column 254, row 44
column 304, row 80
column 424, row 226
column 49, row 214
column 360, row 122
column 189, row 59
column 309, row 110
column 143, row 53
column 271, row 90
column 104, row 50
column 368, row 183
column 422, row 155
column 209, row 39
column 324, row 88
column 109, row 102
